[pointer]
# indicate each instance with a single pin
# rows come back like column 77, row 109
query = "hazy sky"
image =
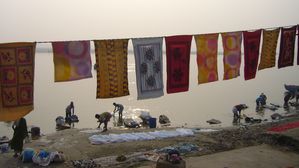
column 51, row 20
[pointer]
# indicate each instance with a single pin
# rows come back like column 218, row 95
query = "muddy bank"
column 76, row 146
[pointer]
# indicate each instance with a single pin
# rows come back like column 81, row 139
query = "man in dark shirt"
column 103, row 118
column 237, row 110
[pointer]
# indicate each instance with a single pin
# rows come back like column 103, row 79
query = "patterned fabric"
column 72, row 60
column 207, row 50
column 269, row 45
column 251, row 53
column 298, row 45
column 232, row 54
column 178, row 57
column 16, row 80
column 287, row 47
column 149, row 67
column 112, row 75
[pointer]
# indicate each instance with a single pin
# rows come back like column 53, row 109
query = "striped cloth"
column 207, row 50
column 149, row 67
column 268, row 56
column 17, row 78
column 178, row 57
column 112, row 71
column 251, row 53
column 232, row 54
column 72, row 60
column 287, row 47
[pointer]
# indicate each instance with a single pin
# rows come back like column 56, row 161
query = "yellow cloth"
column 16, row 80
column 207, row 50
column 268, row 58
column 112, row 73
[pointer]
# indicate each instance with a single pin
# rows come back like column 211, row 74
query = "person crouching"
column 103, row 118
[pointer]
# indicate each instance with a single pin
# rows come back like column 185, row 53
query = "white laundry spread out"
column 139, row 136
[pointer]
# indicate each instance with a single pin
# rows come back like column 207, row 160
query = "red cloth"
column 287, row 46
column 298, row 46
column 284, row 127
column 251, row 53
column 178, row 57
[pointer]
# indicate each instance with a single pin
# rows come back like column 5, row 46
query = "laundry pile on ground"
column 139, row 136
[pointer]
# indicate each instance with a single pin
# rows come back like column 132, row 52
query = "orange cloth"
column 269, row 45
column 16, row 80
column 207, row 50
column 112, row 72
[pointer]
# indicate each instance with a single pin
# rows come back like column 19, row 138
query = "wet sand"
column 76, row 146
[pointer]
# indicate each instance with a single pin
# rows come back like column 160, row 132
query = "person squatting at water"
column 237, row 110
column 261, row 101
column 103, row 118
column 118, row 108
column 20, row 133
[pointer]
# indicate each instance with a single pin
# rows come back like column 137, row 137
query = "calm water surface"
column 192, row 108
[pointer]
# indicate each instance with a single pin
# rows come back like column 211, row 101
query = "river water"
column 192, row 108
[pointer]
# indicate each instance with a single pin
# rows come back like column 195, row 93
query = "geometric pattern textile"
column 287, row 47
column 112, row 71
column 251, row 53
column 178, row 57
column 16, row 80
column 268, row 55
column 149, row 67
column 231, row 54
column 72, row 60
column 207, row 50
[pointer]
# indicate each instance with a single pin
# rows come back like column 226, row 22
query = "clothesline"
column 268, row 28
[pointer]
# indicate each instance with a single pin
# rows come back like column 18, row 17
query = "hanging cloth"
column 148, row 67
column 287, row 46
column 207, row 50
column 178, row 57
column 112, row 71
column 268, row 55
column 298, row 45
column 16, row 80
column 231, row 54
column 251, row 53
column 72, row 60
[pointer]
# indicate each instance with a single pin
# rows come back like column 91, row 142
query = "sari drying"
column 149, row 67
column 178, row 57
column 112, row 70
column 16, row 80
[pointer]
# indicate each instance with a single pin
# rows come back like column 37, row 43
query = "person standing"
column 69, row 111
column 20, row 133
column 103, row 118
column 118, row 108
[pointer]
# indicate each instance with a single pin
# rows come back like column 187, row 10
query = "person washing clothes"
column 103, row 118
column 237, row 110
column 261, row 101
column 118, row 108
column 69, row 111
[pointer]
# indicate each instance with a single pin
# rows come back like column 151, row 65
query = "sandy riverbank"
column 76, row 145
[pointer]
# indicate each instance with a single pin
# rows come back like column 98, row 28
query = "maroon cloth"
column 251, row 53
column 178, row 57
column 287, row 46
column 298, row 45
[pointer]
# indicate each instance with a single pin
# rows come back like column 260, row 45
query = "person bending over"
column 237, row 110
column 103, row 118
column 118, row 108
